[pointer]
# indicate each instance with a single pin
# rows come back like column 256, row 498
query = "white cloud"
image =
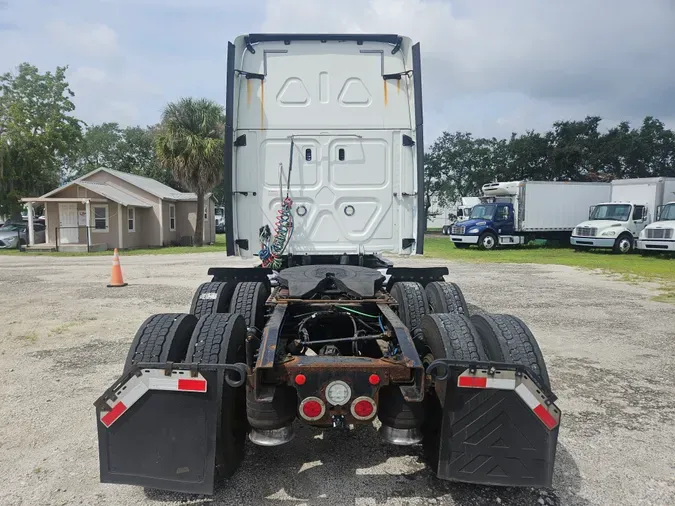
column 606, row 57
column 94, row 39
column 83, row 75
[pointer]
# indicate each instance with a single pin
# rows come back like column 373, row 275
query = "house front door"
column 68, row 231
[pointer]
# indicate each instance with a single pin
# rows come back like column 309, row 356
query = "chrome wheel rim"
column 624, row 245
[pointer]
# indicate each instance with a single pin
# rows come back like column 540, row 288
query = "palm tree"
column 190, row 142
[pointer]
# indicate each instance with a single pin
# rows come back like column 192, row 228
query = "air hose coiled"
column 283, row 230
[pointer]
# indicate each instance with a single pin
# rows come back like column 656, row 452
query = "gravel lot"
column 64, row 337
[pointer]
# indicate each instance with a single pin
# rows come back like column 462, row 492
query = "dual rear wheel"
column 440, row 321
column 213, row 333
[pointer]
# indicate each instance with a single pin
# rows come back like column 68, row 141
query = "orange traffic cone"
column 116, row 278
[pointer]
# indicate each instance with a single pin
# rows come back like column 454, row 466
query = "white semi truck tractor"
column 323, row 172
column 618, row 222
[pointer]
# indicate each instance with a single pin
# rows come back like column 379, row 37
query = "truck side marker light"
column 546, row 411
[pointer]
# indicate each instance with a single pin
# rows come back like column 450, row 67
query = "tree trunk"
column 199, row 226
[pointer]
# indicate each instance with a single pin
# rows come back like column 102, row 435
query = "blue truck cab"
column 488, row 222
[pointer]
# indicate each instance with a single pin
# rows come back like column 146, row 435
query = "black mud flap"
column 158, row 429
column 499, row 426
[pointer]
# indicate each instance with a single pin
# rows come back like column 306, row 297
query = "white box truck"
column 515, row 212
column 617, row 222
column 659, row 236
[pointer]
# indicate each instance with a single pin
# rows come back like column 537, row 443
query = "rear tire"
column 451, row 336
column 446, row 298
column 248, row 300
column 412, row 305
column 161, row 338
column 507, row 339
column 221, row 339
column 212, row 298
column 487, row 241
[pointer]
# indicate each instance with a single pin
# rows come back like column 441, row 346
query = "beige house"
column 108, row 209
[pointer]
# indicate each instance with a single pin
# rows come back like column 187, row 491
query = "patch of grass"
column 668, row 296
column 633, row 267
column 57, row 331
column 31, row 337
column 218, row 246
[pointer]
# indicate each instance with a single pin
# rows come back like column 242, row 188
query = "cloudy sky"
column 490, row 66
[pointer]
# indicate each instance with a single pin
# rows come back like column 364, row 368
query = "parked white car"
column 13, row 235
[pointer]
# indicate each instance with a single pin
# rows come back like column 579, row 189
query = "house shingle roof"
column 115, row 194
column 152, row 186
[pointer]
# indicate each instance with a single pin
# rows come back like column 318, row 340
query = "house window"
column 131, row 218
column 206, row 213
column 172, row 217
column 100, row 218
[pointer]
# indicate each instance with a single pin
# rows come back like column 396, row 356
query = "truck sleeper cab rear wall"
column 355, row 120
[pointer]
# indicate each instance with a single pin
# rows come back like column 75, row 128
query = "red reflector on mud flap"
column 192, row 385
column 472, row 382
column 545, row 416
column 109, row 418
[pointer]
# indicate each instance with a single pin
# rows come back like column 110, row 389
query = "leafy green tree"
column 130, row 149
column 100, row 147
column 459, row 164
column 38, row 133
column 190, row 142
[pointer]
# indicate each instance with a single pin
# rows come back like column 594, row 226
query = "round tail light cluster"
column 363, row 408
column 312, row 408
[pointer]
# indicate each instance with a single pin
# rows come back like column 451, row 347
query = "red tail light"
column 363, row 408
column 312, row 408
